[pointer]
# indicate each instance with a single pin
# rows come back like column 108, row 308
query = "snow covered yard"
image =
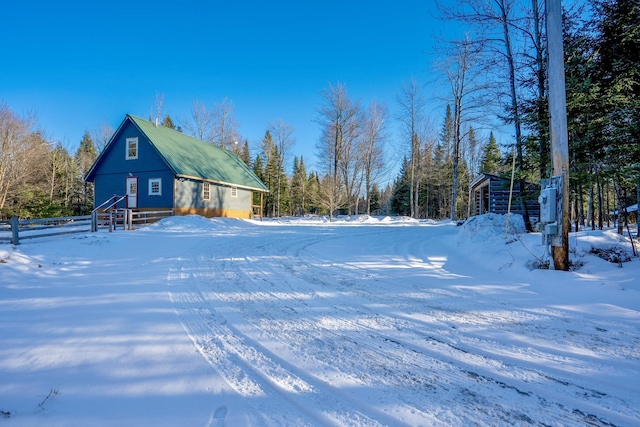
column 360, row 322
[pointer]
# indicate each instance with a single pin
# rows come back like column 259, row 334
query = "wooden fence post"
column 129, row 219
column 15, row 238
column 94, row 221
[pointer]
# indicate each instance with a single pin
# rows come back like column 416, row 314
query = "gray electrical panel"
column 547, row 202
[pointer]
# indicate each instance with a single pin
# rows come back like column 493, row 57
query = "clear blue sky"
column 81, row 64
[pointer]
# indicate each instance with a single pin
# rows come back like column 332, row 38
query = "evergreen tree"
column 313, row 189
column 491, row 159
column 375, row 200
column 245, row 154
column 85, row 156
column 258, row 167
column 400, row 203
column 168, row 122
column 284, row 200
column 442, row 170
column 299, row 196
column 271, row 173
column 447, row 134
column 618, row 45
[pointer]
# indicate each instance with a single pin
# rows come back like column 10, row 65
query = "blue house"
column 160, row 168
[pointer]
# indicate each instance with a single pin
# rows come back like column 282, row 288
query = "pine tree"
column 245, row 154
column 258, row 167
column 447, row 134
column 168, row 122
column 299, row 196
column 271, row 173
column 284, row 201
column 618, row 45
column 400, row 203
column 491, row 159
column 442, row 170
column 375, row 200
column 313, row 189
column 85, row 156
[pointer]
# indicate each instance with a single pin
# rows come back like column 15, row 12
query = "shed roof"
column 189, row 157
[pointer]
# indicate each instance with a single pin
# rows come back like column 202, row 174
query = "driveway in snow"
column 383, row 323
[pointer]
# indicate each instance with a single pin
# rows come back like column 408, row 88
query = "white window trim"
column 206, row 191
column 133, row 140
column 151, row 182
column 234, row 192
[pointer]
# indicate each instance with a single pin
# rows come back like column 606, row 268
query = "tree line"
column 495, row 73
column 495, row 79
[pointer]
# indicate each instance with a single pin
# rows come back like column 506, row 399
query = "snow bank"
column 344, row 220
column 491, row 225
column 182, row 223
column 499, row 246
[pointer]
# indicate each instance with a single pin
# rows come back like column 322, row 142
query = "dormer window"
column 132, row 148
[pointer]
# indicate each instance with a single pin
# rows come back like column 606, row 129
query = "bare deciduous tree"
column 284, row 140
column 215, row 125
column 495, row 23
column 466, row 77
column 157, row 107
column 21, row 153
column 225, row 129
column 340, row 119
column 330, row 195
column 372, row 148
column 412, row 103
column 102, row 135
column 200, row 125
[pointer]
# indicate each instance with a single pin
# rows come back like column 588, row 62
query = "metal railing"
column 102, row 216
column 127, row 218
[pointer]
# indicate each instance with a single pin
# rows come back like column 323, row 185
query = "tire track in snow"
column 286, row 315
column 254, row 371
column 477, row 346
column 480, row 347
column 384, row 361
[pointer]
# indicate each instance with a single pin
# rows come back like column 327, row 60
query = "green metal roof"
column 191, row 158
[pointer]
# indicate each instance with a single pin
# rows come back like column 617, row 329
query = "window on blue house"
column 132, row 149
column 234, row 191
column 155, row 186
column 206, row 191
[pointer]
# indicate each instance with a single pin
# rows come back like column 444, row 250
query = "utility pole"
column 558, row 130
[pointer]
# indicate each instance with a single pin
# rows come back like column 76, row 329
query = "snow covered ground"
column 360, row 322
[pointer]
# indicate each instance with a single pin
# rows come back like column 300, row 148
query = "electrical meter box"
column 547, row 202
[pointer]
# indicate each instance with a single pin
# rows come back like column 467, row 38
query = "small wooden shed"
column 490, row 194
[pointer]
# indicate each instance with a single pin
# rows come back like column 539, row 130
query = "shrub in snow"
column 614, row 254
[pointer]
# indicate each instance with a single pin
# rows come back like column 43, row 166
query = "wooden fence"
column 21, row 229
column 127, row 219
column 15, row 230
